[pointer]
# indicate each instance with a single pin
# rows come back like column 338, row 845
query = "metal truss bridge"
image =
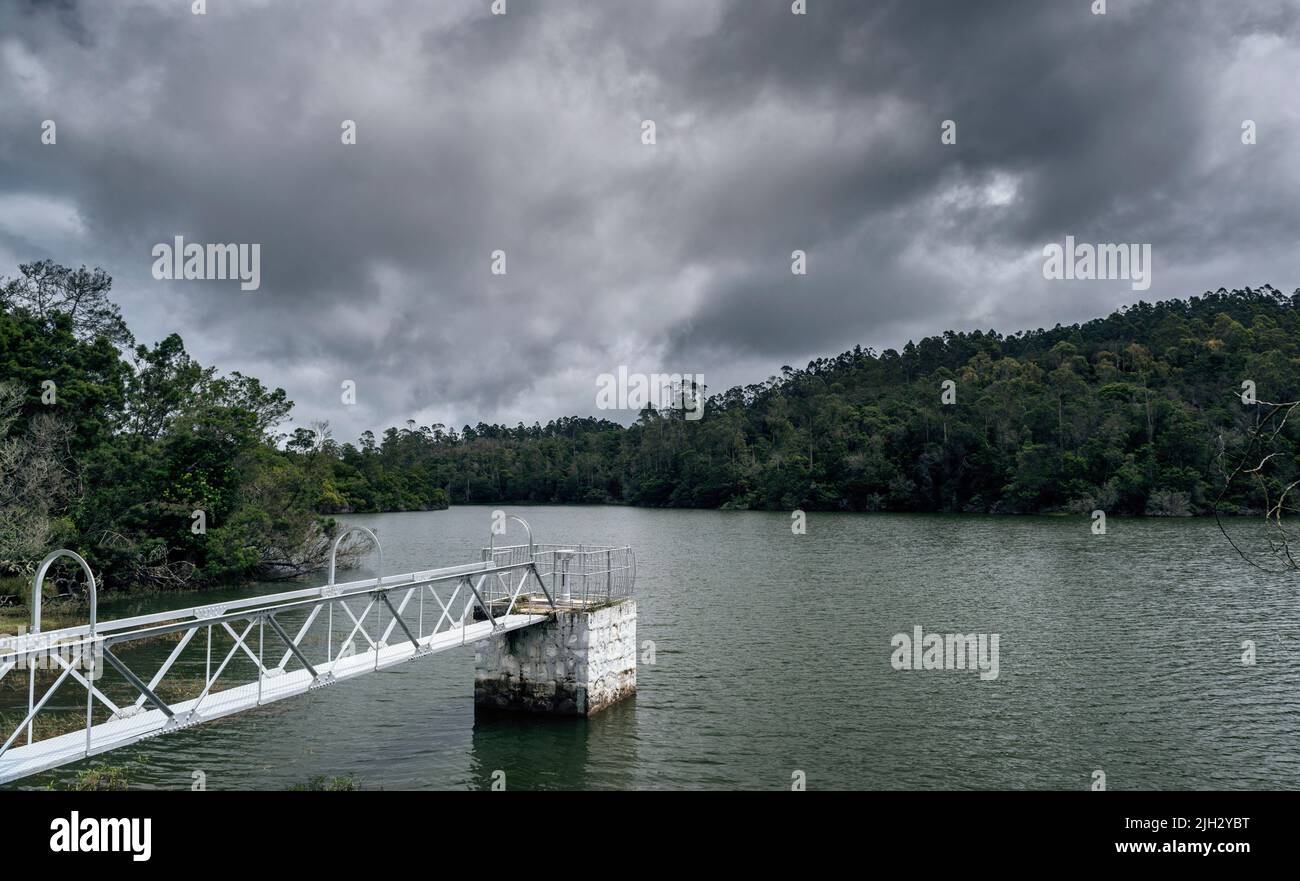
column 87, row 693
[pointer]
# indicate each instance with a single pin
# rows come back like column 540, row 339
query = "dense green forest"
column 1136, row 413
column 113, row 448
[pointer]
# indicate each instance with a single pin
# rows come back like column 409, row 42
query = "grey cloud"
column 521, row 132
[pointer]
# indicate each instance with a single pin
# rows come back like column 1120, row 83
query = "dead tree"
column 1267, row 465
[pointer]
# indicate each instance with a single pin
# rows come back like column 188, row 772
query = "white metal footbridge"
column 87, row 691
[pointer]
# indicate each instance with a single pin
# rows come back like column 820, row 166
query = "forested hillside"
column 1127, row 413
column 112, row 448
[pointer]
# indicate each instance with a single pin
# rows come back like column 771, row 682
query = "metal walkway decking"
column 470, row 603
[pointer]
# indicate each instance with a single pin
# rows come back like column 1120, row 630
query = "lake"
column 1119, row 652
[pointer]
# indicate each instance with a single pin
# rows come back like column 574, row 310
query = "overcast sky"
column 523, row 132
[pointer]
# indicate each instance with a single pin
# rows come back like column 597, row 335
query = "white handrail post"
column 492, row 537
column 339, row 539
column 37, row 584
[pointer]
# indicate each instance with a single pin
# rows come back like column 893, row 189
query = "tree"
column 33, row 481
column 45, row 289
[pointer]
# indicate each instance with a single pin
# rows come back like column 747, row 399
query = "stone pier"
column 577, row 663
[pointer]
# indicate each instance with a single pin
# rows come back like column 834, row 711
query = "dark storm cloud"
column 775, row 133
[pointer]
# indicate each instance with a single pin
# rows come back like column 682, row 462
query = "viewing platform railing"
column 578, row 574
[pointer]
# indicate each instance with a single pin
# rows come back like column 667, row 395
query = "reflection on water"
column 1118, row 652
column 555, row 753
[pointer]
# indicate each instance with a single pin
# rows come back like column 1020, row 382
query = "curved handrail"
column 492, row 536
column 379, row 577
column 40, row 580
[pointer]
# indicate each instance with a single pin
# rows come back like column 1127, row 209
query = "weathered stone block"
column 576, row 663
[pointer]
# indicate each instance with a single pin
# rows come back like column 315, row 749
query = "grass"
column 100, row 778
column 47, row 724
column 54, row 723
column 96, row 778
column 54, row 616
column 321, row 783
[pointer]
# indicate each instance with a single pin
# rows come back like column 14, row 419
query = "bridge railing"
column 576, row 573
column 235, row 654
column 83, row 694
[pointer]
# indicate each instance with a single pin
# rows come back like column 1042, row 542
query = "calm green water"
column 1119, row 652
